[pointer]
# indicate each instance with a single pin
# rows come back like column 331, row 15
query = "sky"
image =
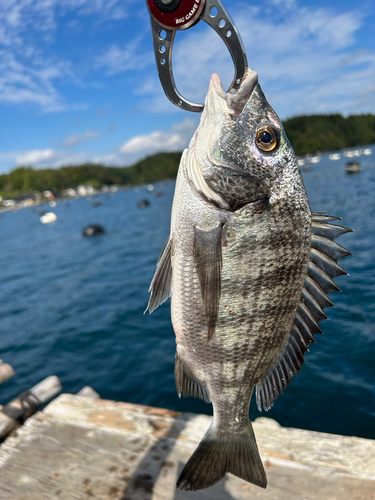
column 78, row 80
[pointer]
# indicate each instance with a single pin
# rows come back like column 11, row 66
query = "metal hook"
column 168, row 16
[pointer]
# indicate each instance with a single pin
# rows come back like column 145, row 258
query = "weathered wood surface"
column 80, row 448
column 47, row 388
column 88, row 392
column 6, row 372
column 43, row 392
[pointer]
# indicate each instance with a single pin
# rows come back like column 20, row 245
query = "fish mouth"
column 236, row 99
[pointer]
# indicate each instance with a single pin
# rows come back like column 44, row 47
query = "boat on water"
column 366, row 151
column 334, row 156
column 48, row 217
column 353, row 153
column 353, row 167
column 301, row 162
column 314, row 159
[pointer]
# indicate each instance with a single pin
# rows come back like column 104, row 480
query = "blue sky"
column 78, row 81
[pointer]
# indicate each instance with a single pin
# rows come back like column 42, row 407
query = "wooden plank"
column 88, row 392
column 47, row 389
column 6, row 372
column 81, row 448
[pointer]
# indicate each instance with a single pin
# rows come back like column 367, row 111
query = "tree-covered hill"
column 320, row 133
column 28, row 180
column 308, row 134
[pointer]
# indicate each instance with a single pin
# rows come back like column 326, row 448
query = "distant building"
column 49, row 195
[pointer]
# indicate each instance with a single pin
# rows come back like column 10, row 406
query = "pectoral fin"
column 160, row 287
column 208, row 263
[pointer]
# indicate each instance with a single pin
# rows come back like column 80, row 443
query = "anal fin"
column 187, row 385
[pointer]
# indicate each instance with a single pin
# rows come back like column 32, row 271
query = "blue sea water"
column 73, row 306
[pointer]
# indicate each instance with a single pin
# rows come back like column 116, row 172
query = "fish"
column 248, row 268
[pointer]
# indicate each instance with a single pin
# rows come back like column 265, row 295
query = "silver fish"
column 248, row 268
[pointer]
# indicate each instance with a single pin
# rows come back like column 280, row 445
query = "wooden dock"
column 80, row 448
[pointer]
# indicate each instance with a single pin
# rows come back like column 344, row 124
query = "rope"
column 29, row 405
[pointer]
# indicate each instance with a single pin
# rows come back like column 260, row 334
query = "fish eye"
column 267, row 138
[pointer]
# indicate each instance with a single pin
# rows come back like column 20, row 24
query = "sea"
column 73, row 306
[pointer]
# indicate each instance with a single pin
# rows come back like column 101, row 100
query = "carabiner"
column 168, row 16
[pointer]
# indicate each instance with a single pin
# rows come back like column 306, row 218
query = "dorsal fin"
column 318, row 284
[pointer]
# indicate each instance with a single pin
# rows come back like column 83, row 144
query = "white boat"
column 314, row 159
column 352, row 153
column 48, row 217
column 334, row 156
column 301, row 162
column 366, row 151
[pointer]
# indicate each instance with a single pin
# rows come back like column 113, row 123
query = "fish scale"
column 248, row 268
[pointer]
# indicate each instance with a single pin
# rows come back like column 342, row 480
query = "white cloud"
column 32, row 82
column 27, row 74
column 74, row 140
column 43, row 158
column 17, row 16
column 174, row 139
column 35, row 156
column 109, row 10
column 117, row 60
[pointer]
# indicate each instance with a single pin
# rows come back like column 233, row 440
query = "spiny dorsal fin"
column 187, row 385
column 160, row 287
column 322, row 217
column 318, row 284
column 208, row 263
column 331, row 231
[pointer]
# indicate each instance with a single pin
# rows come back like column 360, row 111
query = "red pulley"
column 175, row 14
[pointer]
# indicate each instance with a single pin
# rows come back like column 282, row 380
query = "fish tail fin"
column 219, row 453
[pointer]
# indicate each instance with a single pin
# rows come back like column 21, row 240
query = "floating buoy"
column 48, row 217
column 93, row 230
column 353, row 167
column 143, row 203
